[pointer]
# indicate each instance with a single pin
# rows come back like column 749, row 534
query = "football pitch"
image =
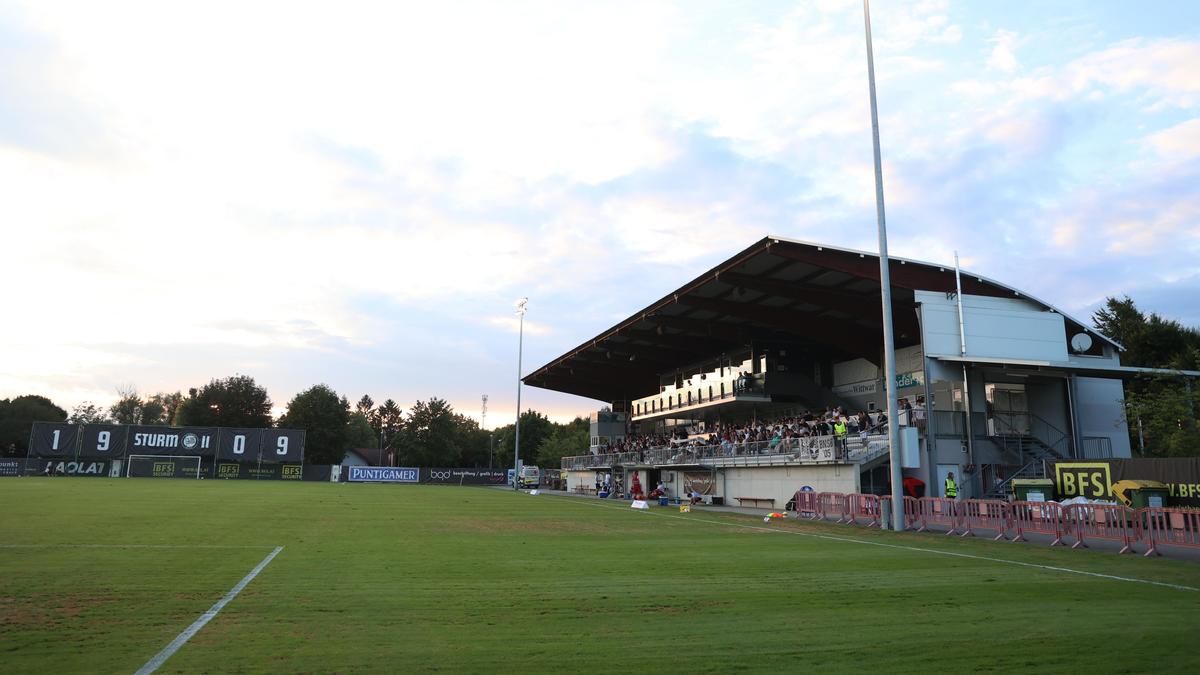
column 101, row 575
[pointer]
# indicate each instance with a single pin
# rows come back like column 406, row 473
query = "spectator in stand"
column 919, row 413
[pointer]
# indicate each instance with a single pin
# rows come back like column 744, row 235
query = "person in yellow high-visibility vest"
column 839, row 432
column 951, row 486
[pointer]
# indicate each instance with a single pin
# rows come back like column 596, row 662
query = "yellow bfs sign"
column 1088, row 479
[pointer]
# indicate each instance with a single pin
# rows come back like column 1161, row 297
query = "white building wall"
column 1006, row 328
column 781, row 483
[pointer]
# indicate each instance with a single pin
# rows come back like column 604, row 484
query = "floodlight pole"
column 885, row 287
column 517, row 429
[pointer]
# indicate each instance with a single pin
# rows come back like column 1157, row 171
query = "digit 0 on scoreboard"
column 239, row 445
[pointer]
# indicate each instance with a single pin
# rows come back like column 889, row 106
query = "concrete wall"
column 995, row 327
column 781, row 483
column 1099, row 403
column 778, row 482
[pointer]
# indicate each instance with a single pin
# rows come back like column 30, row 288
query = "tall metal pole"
column 885, row 287
column 962, row 351
column 517, row 430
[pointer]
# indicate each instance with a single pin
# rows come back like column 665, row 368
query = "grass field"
column 386, row 578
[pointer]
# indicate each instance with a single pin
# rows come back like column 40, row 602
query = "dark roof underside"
column 777, row 291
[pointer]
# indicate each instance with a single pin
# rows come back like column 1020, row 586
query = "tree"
column 169, row 405
column 325, row 417
column 133, row 409
column 472, row 440
column 564, row 441
column 235, row 401
column 1162, row 412
column 365, row 406
column 88, row 413
column 1167, row 415
column 16, row 421
column 388, row 419
column 535, row 428
column 429, row 436
column 359, row 433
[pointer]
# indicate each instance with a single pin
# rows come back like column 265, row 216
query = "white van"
column 531, row 477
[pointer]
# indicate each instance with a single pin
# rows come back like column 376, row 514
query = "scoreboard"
column 60, row 440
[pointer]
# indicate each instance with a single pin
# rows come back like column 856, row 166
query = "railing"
column 1095, row 447
column 803, row 450
column 696, row 394
column 1007, row 428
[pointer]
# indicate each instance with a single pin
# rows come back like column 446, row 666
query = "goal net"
column 162, row 466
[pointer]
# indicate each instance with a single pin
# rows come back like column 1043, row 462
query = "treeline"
column 431, row 433
column 1161, row 411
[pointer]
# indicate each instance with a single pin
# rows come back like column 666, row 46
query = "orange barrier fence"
column 912, row 510
column 1177, row 527
column 1153, row 527
column 984, row 514
column 833, row 504
column 863, row 507
column 1103, row 521
column 806, row 504
column 938, row 511
column 1039, row 517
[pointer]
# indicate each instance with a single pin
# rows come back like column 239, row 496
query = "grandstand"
column 791, row 331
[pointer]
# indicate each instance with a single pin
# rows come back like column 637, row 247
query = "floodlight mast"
column 517, row 429
column 885, row 287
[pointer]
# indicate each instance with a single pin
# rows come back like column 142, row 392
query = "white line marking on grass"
column 187, row 546
column 161, row 657
column 852, row 540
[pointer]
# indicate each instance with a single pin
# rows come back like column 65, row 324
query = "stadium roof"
column 777, row 290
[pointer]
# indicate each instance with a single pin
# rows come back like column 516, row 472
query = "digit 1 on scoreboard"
column 54, row 443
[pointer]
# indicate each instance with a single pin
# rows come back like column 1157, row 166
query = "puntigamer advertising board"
column 383, row 474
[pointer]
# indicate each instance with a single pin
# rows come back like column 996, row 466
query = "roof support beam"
column 851, row 338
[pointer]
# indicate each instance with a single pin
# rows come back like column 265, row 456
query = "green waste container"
column 1139, row 494
column 1033, row 489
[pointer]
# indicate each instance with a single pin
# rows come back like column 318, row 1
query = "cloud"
column 1003, row 57
column 511, row 324
column 356, row 196
column 1180, row 142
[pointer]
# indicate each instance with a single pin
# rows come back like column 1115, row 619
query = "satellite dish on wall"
column 1081, row 342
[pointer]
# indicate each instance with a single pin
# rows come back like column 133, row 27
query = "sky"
column 357, row 193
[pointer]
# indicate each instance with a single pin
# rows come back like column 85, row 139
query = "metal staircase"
column 1029, row 441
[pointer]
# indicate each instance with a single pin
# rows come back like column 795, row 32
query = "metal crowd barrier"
column 1039, row 517
column 985, row 514
column 1169, row 526
column 938, row 511
column 1103, row 521
column 912, row 510
column 833, row 504
column 863, row 506
column 1152, row 527
column 806, row 505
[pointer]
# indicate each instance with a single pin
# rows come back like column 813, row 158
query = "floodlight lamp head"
column 521, row 305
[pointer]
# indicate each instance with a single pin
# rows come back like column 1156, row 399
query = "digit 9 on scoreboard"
column 103, row 440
